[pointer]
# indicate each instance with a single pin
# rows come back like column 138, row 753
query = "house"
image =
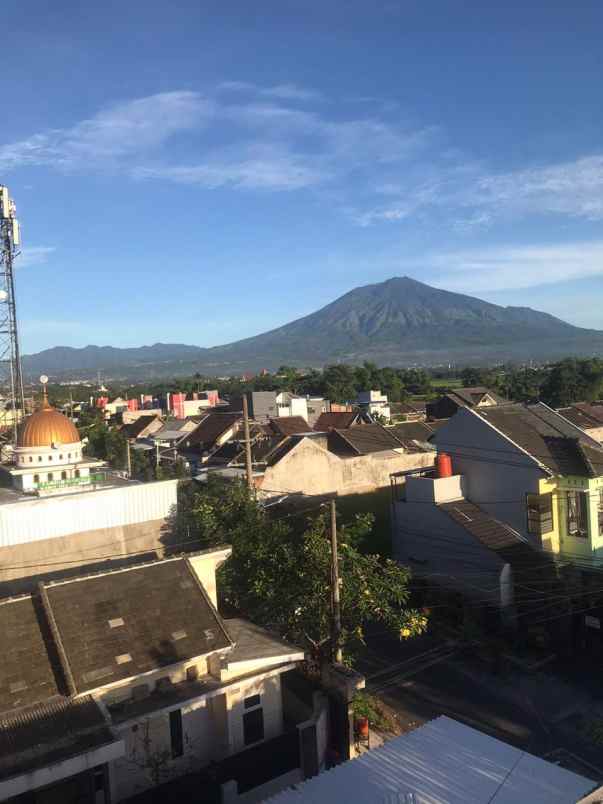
column 474, row 397
column 587, row 416
column 408, row 412
column 374, row 403
column 356, row 460
column 211, row 432
column 339, row 420
column 174, row 430
column 413, row 432
column 316, row 406
column 456, row 545
column 287, row 425
column 443, row 762
column 142, row 427
column 531, row 468
column 120, row 681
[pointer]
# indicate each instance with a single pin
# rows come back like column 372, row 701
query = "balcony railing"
column 85, row 480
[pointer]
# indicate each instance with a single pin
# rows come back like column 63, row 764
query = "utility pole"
column 336, row 604
column 128, row 458
column 248, row 464
column 157, row 453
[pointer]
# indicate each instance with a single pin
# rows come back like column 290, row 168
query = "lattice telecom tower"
column 12, row 405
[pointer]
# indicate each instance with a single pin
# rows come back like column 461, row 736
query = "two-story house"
column 531, row 468
column 114, row 683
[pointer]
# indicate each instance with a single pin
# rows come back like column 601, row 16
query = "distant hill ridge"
column 397, row 322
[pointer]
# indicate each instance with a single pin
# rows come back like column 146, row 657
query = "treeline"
column 557, row 384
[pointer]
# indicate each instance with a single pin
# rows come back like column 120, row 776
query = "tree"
column 279, row 573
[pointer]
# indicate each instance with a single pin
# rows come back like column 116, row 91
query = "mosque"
column 48, row 456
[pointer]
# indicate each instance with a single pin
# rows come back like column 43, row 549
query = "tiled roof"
column 27, row 672
column 408, row 432
column 290, row 425
column 369, row 438
column 546, row 436
column 593, row 410
column 135, row 428
column 331, row 421
column 472, row 396
column 126, row 622
column 49, row 733
column 525, row 559
column 211, row 428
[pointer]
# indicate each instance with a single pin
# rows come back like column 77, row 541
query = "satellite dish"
column 43, row 379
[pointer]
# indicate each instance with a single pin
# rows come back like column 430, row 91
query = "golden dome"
column 46, row 427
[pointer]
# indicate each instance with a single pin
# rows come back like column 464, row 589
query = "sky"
column 199, row 172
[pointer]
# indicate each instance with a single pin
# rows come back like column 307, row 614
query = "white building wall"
column 498, row 475
column 212, row 729
column 312, row 469
column 31, row 520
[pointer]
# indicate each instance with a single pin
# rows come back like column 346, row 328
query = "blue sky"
column 202, row 171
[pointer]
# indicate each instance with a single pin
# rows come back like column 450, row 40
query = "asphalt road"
column 428, row 676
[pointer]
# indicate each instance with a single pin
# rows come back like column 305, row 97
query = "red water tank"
column 444, row 465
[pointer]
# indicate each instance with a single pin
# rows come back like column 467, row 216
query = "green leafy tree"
column 279, row 573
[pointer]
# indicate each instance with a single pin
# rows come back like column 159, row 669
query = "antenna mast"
column 11, row 378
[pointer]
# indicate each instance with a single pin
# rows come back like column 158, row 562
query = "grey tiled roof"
column 52, row 732
column 546, row 436
column 368, row 438
column 27, row 672
column 126, row 622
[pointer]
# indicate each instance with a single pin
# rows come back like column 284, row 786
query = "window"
column 50, row 457
column 540, row 513
column 69, row 456
column 63, row 475
column 60, row 457
column 252, row 701
column 176, row 733
column 30, row 459
column 36, row 478
column 253, row 726
column 577, row 514
column 40, row 458
column 77, row 473
column 50, row 476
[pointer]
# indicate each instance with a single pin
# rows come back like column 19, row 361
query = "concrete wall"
column 101, row 549
column 58, row 536
column 32, row 520
column 434, row 546
column 498, row 475
column 311, row 469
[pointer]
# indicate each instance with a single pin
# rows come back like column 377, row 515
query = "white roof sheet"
column 443, row 762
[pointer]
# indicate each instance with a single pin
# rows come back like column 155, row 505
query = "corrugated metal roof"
column 443, row 762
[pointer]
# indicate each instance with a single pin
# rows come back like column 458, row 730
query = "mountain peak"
column 397, row 322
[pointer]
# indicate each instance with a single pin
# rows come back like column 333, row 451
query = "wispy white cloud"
column 475, row 198
column 273, row 144
column 113, row 134
column 505, row 268
column 33, row 255
column 281, row 91
column 260, row 169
